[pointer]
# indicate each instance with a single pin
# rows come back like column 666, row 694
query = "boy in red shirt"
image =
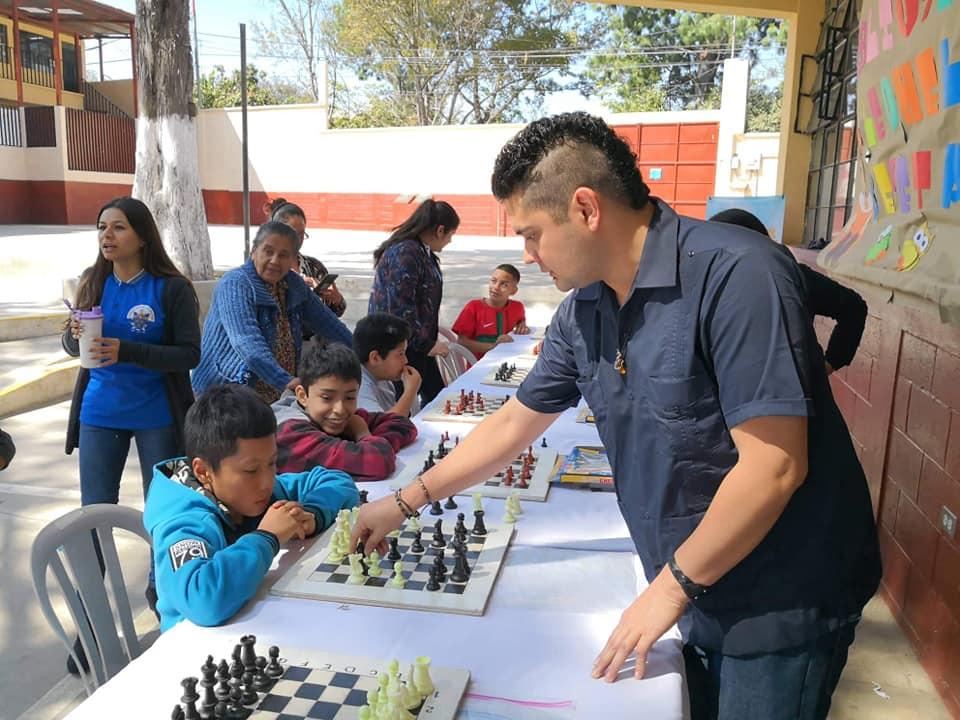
column 487, row 322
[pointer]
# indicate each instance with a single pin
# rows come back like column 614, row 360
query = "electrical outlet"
column 948, row 522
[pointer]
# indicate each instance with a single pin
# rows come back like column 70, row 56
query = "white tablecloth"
column 530, row 655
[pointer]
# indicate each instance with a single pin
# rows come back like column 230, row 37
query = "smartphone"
column 327, row 280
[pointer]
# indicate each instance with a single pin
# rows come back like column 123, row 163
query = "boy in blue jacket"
column 219, row 516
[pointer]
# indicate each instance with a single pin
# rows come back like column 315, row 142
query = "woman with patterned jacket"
column 254, row 330
column 408, row 283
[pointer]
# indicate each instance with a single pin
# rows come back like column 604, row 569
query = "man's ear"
column 301, row 392
column 203, row 472
column 585, row 207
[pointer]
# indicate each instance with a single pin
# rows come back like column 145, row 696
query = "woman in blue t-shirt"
column 150, row 342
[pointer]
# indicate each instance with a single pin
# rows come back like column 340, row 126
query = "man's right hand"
column 410, row 377
column 283, row 520
column 375, row 520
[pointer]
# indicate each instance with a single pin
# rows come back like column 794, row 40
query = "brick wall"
column 901, row 400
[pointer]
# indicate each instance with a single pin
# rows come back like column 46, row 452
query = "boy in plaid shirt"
column 320, row 424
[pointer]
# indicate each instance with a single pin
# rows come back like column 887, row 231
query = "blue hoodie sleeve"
column 321, row 491
column 215, row 581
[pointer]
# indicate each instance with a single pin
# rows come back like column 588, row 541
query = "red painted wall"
column 901, row 400
column 54, row 202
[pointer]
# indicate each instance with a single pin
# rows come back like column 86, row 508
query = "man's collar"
column 658, row 263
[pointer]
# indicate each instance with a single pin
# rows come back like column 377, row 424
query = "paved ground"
column 42, row 483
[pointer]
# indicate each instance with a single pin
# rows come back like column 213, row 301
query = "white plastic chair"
column 456, row 363
column 448, row 334
column 107, row 647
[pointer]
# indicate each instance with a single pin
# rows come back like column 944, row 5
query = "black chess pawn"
column 435, row 508
column 543, row 443
column 222, row 691
column 459, row 527
column 450, row 504
column 416, row 546
column 479, row 528
column 394, row 554
column 261, row 681
column 235, row 705
column 189, row 698
column 220, row 710
column 363, row 497
column 430, row 459
column 433, row 583
column 176, row 713
column 440, row 566
column 249, row 696
column 461, row 571
column 438, row 539
column 274, row 669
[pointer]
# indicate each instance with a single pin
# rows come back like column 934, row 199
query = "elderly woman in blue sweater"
column 253, row 332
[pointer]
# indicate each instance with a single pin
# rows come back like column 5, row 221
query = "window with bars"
column 833, row 124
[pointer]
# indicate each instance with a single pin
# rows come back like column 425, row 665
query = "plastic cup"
column 91, row 322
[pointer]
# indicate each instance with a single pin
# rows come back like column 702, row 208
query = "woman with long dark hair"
column 150, row 341
column 408, row 283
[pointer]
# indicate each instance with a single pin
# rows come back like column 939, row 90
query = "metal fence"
column 41, row 126
column 100, row 143
column 10, row 133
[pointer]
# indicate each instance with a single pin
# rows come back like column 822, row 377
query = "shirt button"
column 690, row 254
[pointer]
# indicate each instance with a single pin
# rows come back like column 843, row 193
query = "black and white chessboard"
column 333, row 686
column 464, row 407
column 508, row 374
column 538, row 485
column 316, row 577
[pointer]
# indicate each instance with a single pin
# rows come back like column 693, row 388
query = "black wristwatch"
column 691, row 589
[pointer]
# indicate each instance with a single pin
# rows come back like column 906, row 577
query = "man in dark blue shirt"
column 734, row 470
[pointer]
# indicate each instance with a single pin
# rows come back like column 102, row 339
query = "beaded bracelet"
column 426, row 493
column 407, row 511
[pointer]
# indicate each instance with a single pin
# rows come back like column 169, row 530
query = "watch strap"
column 691, row 589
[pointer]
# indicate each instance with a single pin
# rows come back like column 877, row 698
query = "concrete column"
column 793, row 169
column 733, row 118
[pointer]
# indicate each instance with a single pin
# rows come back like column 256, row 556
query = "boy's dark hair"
column 509, row 270
column 222, row 415
column 323, row 359
column 379, row 331
column 551, row 157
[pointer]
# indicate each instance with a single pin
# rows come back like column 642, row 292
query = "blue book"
column 585, row 466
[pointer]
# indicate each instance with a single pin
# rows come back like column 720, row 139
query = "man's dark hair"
column 222, row 415
column 509, row 270
column 324, row 359
column 743, row 218
column 551, row 157
column 379, row 331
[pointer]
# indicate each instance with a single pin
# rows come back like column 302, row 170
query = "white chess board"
column 321, row 684
column 518, row 371
column 545, row 460
column 471, row 414
column 316, row 578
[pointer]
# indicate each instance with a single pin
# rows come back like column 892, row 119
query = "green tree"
column 654, row 59
column 218, row 89
column 764, row 108
column 461, row 61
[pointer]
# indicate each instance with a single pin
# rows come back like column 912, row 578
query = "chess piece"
column 543, row 443
column 414, row 700
column 394, row 553
column 236, row 667
column 460, row 527
column 440, row 567
column 421, row 677
column 274, row 669
column 207, row 682
column 248, row 656
column 450, row 504
column 177, row 713
column 508, row 516
column 435, row 508
column 515, row 503
column 433, row 583
column 222, row 691
column 249, row 696
column 189, row 698
column 479, row 528
column 261, row 681
column 364, row 497
column 357, row 570
column 396, row 580
column 477, row 501
column 461, row 572
column 414, row 525
column 374, row 564
column 416, row 546
column 438, row 540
